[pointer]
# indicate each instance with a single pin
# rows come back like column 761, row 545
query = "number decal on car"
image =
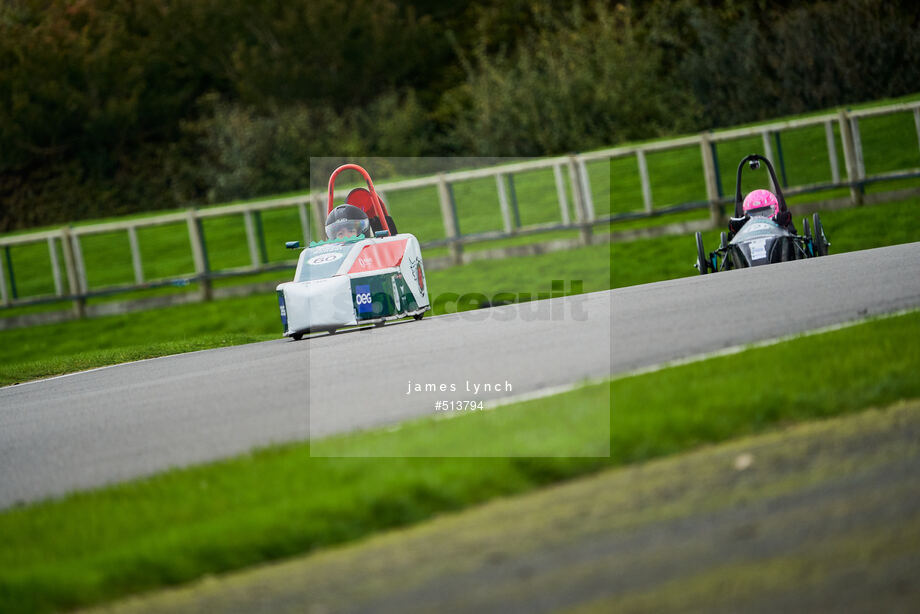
column 324, row 258
column 758, row 249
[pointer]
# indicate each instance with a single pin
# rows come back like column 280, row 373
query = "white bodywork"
column 321, row 296
column 318, row 304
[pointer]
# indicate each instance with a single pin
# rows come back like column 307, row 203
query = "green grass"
column 676, row 176
column 179, row 525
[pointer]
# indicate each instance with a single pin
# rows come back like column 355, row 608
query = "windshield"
column 761, row 212
column 756, row 228
column 344, row 229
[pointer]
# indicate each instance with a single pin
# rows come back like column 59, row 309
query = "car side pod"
column 318, row 304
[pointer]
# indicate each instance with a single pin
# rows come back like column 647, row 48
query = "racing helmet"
column 347, row 221
column 758, row 200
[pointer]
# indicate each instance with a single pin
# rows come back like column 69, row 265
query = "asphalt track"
column 130, row 420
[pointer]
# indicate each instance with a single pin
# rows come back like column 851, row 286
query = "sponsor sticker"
column 363, row 298
column 283, row 309
column 417, row 273
column 758, row 249
column 324, row 258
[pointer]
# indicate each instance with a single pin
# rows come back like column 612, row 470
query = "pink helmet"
column 759, row 199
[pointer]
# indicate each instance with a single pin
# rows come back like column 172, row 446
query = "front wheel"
column 297, row 336
column 701, row 262
column 419, row 316
column 820, row 239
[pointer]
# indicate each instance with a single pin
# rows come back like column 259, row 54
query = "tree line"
column 114, row 106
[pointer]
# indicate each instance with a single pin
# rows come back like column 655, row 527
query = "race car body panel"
column 379, row 256
column 318, row 304
column 762, row 241
column 350, row 282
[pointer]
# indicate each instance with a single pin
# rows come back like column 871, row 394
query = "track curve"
column 121, row 422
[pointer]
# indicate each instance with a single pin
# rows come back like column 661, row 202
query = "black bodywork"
column 754, row 240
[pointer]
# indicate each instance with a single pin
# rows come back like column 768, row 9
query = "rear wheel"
column 297, row 336
column 701, row 262
column 820, row 239
column 419, row 316
column 809, row 243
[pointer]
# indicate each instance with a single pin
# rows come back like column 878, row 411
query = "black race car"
column 761, row 235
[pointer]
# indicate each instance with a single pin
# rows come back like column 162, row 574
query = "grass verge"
column 95, row 546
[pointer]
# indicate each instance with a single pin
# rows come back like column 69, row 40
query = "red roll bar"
column 380, row 209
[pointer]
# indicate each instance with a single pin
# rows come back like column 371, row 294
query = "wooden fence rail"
column 571, row 178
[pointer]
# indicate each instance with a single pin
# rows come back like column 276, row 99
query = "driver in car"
column 346, row 221
column 762, row 203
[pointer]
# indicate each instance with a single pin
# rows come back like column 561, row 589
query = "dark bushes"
column 110, row 106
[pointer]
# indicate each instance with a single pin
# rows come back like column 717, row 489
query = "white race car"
column 355, row 280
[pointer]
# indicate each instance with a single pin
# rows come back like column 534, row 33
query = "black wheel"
column 820, row 239
column 419, row 316
column 701, row 262
column 297, row 336
column 378, row 324
column 331, row 331
column 723, row 240
column 809, row 242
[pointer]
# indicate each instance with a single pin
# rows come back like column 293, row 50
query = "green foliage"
column 111, row 106
column 841, row 52
column 246, row 153
column 340, row 55
column 751, row 61
column 583, row 83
